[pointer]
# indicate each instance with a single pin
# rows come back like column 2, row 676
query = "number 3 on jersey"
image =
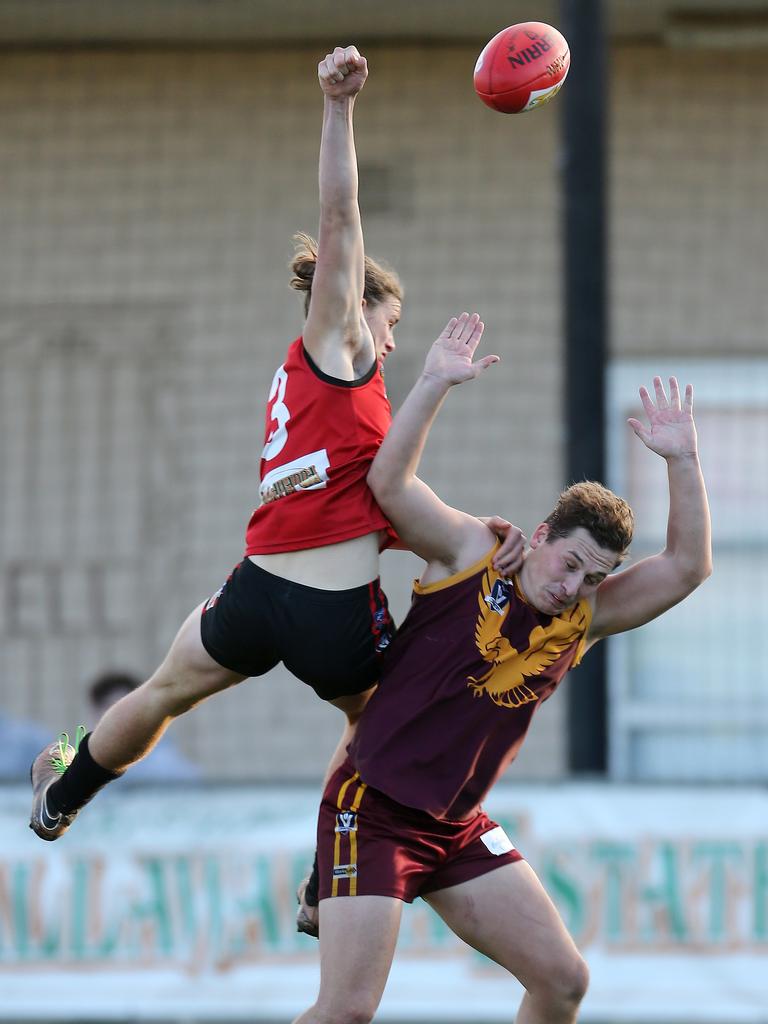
column 279, row 413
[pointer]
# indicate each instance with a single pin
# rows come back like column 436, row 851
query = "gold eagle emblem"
column 504, row 682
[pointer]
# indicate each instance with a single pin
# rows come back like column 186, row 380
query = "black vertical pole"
column 583, row 106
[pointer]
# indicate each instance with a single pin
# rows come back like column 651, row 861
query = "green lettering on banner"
column 155, row 909
column 260, row 907
column 664, row 898
column 212, row 888
column 718, row 854
column 616, row 859
column 79, row 909
column 25, row 905
column 760, row 917
column 186, row 899
column 104, row 949
column 14, row 912
column 564, row 890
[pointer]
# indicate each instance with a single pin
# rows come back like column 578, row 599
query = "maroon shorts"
column 369, row 845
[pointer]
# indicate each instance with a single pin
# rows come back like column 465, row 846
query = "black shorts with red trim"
column 333, row 640
column 370, row 845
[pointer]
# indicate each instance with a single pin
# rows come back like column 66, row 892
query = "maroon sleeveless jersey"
column 461, row 683
column 321, row 435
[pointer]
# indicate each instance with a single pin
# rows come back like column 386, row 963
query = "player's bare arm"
column 447, row 539
column 643, row 591
column 509, row 556
column 335, row 333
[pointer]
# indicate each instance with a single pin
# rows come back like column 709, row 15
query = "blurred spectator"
column 163, row 764
column 20, row 743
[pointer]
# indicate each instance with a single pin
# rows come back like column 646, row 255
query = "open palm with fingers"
column 451, row 357
column 670, row 431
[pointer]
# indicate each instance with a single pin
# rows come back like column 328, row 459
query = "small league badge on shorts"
column 345, row 871
column 346, row 821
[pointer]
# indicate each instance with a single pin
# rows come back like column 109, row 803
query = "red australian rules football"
column 522, row 67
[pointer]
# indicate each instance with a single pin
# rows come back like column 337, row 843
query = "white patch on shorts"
column 497, row 841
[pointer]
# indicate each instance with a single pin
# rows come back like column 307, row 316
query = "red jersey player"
column 311, row 565
column 307, row 592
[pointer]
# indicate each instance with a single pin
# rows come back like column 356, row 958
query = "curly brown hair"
column 381, row 280
column 606, row 516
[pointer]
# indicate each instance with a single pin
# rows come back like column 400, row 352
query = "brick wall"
column 148, row 201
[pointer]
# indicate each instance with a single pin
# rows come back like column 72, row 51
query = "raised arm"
column 449, row 540
column 645, row 590
column 335, row 332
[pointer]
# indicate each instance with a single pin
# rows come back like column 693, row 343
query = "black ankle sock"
column 81, row 781
column 312, row 892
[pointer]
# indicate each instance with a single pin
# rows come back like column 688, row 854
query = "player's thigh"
column 188, row 670
column 357, row 943
column 507, row 915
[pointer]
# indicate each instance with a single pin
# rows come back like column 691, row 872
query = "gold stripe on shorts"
column 352, row 836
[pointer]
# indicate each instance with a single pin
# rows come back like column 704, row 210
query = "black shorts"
column 332, row 640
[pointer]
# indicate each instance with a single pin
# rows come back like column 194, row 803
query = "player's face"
column 382, row 318
column 560, row 572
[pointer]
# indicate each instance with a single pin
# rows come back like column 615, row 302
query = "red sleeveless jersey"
column 320, row 438
column 461, row 682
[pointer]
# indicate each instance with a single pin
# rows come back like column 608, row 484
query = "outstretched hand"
column 671, row 431
column 343, row 72
column 450, row 358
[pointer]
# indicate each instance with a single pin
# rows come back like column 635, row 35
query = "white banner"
column 181, row 904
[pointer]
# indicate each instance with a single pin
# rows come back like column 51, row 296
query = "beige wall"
column 689, row 211
column 147, row 204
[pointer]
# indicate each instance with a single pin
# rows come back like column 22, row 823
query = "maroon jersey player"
column 474, row 659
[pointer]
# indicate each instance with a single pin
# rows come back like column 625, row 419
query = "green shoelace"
column 59, row 759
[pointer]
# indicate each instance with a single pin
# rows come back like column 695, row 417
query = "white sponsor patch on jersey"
column 306, row 473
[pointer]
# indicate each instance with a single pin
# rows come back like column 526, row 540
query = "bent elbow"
column 698, row 574
column 705, row 566
column 373, row 478
column 378, row 483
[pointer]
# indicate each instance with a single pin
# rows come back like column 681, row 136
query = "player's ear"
column 539, row 535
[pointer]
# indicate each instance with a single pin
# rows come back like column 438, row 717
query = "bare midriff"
column 342, row 566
